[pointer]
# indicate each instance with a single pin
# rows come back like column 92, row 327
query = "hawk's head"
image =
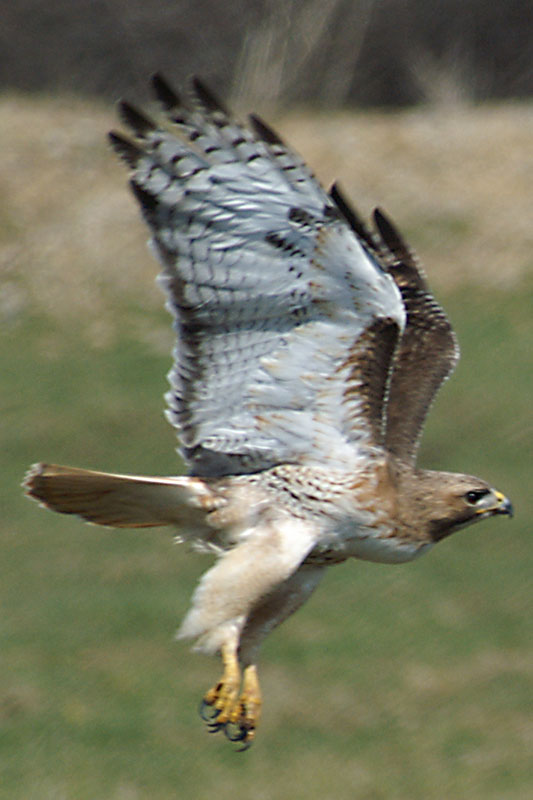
column 445, row 502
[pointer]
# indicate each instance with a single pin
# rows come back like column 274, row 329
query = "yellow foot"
column 245, row 715
column 220, row 701
column 223, row 709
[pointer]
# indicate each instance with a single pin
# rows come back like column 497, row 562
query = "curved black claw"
column 215, row 727
column 235, row 732
column 208, row 713
column 238, row 732
column 245, row 746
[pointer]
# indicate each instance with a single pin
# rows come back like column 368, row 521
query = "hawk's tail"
column 120, row 501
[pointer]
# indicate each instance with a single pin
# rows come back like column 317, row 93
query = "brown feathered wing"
column 427, row 352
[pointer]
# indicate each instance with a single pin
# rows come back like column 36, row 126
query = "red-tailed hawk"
column 309, row 349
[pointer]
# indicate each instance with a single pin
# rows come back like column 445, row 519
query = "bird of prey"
column 309, row 349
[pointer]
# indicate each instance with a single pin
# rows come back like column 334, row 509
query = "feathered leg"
column 222, row 707
column 251, row 589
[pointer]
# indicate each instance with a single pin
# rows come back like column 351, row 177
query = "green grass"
column 405, row 682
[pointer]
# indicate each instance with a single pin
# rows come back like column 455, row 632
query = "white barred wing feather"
column 271, row 290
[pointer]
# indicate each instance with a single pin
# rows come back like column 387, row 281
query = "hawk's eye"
column 475, row 495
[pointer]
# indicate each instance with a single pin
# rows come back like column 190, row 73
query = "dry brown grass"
column 452, row 177
column 459, row 182
column 71, row 242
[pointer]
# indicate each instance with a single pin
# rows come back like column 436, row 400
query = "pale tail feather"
column 120, row 501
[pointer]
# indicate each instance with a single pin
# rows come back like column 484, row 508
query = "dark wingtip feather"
column 147, row 201
column 351, row 216
column 134, row 119
column 125, row 148
column 389, row 232
column 166, row 95
column 206, row 97
column 264, row 131
column 406, row 270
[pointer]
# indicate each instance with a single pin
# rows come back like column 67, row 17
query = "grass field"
column 405, row 683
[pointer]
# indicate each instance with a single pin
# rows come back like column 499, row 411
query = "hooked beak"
column 502, row 505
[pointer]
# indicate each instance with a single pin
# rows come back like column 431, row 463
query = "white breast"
column 386, row 550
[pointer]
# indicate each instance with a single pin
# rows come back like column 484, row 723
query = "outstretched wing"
column 428, row 349
column 286, row 323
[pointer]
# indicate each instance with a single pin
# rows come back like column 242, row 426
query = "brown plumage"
column 309, row 350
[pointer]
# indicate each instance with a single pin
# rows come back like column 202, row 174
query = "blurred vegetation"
column 405, row 683
column 321, row 52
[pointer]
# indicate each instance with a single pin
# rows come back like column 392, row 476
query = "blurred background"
column 412, row 682
column 321, row 52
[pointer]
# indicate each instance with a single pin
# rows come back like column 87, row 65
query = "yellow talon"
column 223, row 696
column 250, row 700
column 223, row 708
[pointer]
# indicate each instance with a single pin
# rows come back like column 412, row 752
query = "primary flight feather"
column 308, row 352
